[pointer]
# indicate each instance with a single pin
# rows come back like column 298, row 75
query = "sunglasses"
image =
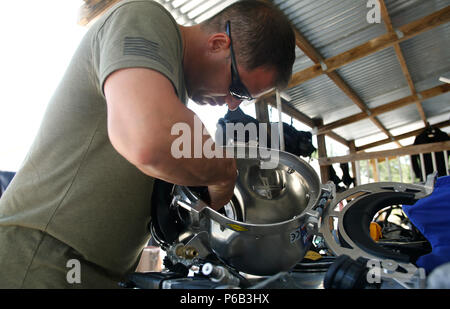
column 237, row 88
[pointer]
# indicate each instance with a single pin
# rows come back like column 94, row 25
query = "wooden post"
column 352, row 149
column 400, row 169
column 374, row 165
column 388, row 166
column 294, row 113
column 322, row 151
column 408, row 150
column 446, row 162
column 280, row 120
column 433, row 159
column 377, row 167
column 422, row 166
column 262, row 115
column 411, row 172
column 262, row 111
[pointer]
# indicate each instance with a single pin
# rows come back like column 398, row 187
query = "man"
column 77, row 212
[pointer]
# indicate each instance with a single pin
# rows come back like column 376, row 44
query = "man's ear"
column 218, row 42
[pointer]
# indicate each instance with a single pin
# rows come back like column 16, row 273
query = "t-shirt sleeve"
column 138, row 34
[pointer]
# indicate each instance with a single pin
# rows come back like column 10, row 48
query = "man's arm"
column 142, row 108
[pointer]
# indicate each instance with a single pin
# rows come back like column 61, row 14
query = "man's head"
column 257, row 45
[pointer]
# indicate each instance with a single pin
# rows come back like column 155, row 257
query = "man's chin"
column 199, row 100
column 206, row 101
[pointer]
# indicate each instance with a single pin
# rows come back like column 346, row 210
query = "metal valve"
column 186, row 252
column 219, row 274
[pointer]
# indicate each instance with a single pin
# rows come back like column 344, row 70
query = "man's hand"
column 222, row 193
column 142, row 109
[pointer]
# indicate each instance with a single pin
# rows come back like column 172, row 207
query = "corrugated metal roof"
column 437, row 106
column 189, row 12
column 301, row 61
column 403, row 12
column 360, row 129
column 426, row 55
column 320, row 97
column 419, row 124
column 376, row 75
column 400, row 117
column 333, row 27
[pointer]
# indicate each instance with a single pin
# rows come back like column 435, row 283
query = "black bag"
column 234, row 117
column 430, row 135
column 296, row 142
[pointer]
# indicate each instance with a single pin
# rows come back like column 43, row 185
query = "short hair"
column 262, row 36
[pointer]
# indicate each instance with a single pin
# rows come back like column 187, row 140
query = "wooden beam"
column 411, row 30
column 306, row 47
column 262, row 111
column 409, row 150
column 293, row 113
column 382, row 42
column 424, row 95
column 348, row 91
column 373, row 164
column 401, row 59
column 352, row 149
column 402, row 136
column 322, row 151
column 384, row 130
column 262, row 114
column 315, row 56
column 92, row 9
column 337, row 138
column 288, row 110
column 355, row 98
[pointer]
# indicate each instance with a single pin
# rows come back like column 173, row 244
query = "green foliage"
column 406, row 175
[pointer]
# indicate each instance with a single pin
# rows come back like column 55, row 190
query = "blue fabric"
column 5, row 179
column 431, row 215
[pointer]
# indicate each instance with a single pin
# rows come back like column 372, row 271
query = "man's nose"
column 232, row 102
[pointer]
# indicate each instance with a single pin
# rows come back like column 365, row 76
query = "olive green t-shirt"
column 73, row 184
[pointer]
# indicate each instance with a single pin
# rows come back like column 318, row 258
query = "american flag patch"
column 139, row 46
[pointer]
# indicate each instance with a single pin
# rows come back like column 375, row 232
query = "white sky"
column 38, row 39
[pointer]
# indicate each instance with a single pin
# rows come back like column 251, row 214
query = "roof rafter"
column 401, row 59
column 402, row 136
column 316, row 57
column 424, row 95
column 382, row 42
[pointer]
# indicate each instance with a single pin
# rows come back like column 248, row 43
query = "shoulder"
column 136, row 6
column 137, row 11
